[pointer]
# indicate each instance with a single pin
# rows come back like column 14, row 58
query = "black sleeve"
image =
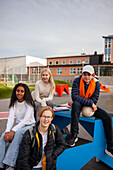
column 23, row 161
column 60, row 143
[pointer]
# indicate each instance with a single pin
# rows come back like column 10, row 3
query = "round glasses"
column 46, row 117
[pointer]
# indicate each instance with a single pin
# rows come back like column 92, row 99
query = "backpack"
column 54, row 131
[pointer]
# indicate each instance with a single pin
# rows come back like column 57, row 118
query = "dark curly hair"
column 27, row 95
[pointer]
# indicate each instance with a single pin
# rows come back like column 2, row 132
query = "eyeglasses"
column 46, row 117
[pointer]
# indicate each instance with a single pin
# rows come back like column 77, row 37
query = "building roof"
column 28, row 59
column 82, row 55
column 33, row 64
column 108, row 36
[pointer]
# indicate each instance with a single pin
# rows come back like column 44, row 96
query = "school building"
column 68, row 67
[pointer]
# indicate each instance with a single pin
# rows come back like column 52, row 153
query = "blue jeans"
column 10, row 157
column 99, row 113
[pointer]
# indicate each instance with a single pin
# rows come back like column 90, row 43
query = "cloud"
column 44, row 27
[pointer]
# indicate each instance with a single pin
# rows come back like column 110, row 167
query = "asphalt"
column 102, row 102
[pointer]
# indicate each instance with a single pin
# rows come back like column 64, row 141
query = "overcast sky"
column 44, row 28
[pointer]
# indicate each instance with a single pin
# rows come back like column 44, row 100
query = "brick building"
column 68, row 67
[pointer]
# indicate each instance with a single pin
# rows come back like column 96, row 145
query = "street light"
column 83, row 62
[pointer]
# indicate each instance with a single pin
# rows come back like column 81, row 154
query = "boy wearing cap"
column 85, row 92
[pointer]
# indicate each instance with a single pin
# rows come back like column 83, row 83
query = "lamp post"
column 38, row 72
column 7, row 76
column 83, row 62
column 29, row 73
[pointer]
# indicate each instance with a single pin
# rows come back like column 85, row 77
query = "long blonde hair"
column 50, row 79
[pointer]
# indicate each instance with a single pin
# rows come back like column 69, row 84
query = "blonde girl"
column 44, row 90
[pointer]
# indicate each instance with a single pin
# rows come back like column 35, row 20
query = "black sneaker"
column 109, row 152
column 70, row 140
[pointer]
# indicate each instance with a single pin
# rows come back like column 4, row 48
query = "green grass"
column 5, row 91
column 62, row 82
column 31, row 88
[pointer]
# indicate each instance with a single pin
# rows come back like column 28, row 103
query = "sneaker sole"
column 97, row 160
column 108, row 153
column 73, row 143
column 76, row 139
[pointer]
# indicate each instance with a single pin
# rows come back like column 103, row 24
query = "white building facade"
column 11, row 66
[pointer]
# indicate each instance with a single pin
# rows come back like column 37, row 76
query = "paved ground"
column 102, row 102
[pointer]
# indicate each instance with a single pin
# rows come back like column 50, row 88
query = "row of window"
column 72, row 70
column 70, row 62
column 59, row 71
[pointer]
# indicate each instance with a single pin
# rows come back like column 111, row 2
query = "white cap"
column 88, row 68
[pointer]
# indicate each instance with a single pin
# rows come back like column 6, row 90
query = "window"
column 105, row 39
column 86, row 61
column 70, row 61
column 79, row 70
column 56, row 62
column 105, row 44
column 105, row 57
column 72, row 70
column 109, row 58
column 38, row 71
column 63, row 62
column 50, row 70
column 59, row 70
column 107, row 50
column 78, row 61
column 109, row 45
column 50, row 62
column 33, row 70
column 109, row 39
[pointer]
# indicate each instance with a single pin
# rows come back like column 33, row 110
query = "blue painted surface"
column 75, row 158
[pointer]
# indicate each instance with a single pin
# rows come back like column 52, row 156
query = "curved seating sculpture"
column 75, row 158
column 102, row 87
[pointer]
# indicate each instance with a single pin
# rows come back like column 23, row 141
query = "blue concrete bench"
column 75, row 158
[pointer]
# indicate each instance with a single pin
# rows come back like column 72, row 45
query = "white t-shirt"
column 44, row 142
column 24, row 114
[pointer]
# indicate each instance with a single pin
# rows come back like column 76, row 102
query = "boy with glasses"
column 42, row 144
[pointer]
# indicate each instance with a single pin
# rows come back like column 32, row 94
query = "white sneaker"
column 107, row 151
